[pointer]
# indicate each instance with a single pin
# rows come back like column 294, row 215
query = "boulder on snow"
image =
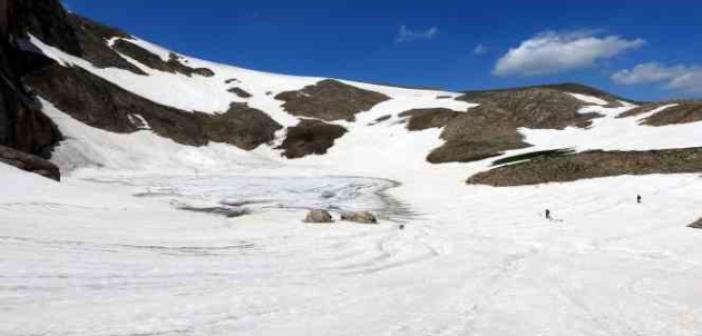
column 697, row 224
column 363, row 217
column 318, row 216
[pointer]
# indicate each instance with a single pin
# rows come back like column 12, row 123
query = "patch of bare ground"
column 101, row 104
column 330, row 100
column 241, row 125
column 310, row 137
column 683, row 112
column 380, row 119
column 491, row 128
column 421, row 119
column 173, row 64
column 240, row 92
column 592, row 164
column 29, row 162
column 92, row 38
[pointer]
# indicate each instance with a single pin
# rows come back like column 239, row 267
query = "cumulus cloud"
column 686, row 78
column 480, row 49
column 406, row 35
column 554, row 52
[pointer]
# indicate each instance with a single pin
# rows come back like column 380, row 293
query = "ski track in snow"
column 107, row 252
column 478, row 262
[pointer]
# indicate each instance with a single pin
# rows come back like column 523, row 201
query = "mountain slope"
column 116, row 82
column 185, row 183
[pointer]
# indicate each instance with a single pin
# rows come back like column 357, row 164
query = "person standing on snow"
column 548, row 214
column 638, row 199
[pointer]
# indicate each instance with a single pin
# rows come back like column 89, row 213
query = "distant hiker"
column 638, row 199
column 548, row 214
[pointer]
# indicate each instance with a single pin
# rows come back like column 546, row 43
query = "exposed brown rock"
column 46, row 19
column 99, row 103
column 30, row 163
column 22, row 124
column 380, row 119
column 363, row 217
column 92, row 38
column 420, row 119
column 683, row 112
column 330, row 100
column 383, row 118
column 319, row 217
column 613, row 100
column 491, row 128
column 535, row 107
column 592, row 164
column 310, row 137
column 142, row 55
column 242, row 126
column 88, row 98
column 240, row 92
column 172, row 65
column 98, row 29
column 175, row 62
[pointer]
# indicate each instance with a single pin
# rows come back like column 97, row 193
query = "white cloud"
column 480, row 49
column 552, row 52
column 686, row 78
column 407, row 35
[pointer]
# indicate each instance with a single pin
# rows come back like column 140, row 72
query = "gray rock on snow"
column 318, row 216
column 363, row 217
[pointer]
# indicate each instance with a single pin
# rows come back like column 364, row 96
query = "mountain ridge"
column 111, row 80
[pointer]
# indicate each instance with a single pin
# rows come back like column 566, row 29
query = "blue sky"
column 640, row 49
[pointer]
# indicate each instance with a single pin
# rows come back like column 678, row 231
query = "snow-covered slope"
column 130, row 242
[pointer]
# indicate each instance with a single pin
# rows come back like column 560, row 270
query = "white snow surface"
column 108, row 251
column 589, row 99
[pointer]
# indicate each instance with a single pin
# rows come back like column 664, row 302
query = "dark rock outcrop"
column 319, row 217
column 592, row 164
column 310, row 137
column 30, row 163
column 697, row 224
column 491, row 128
column 240, row 92
column 100, row 30
column 421, row 119
column 22, row 124
column 46, row 19
column 176, row 62
column 101, row 104
column 73, row 34
column 93, row 40
column 330, row 100
column 172, row 65
column 383, row 118
column 241, row 125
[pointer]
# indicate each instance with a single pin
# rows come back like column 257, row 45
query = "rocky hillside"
column 69, row 83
